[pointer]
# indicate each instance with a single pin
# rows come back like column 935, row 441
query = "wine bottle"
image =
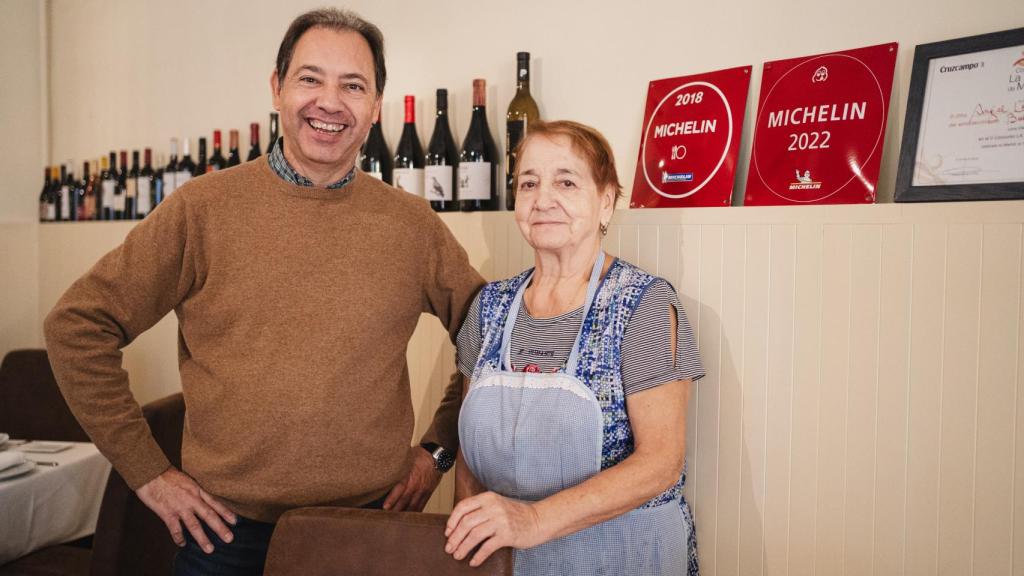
column 376, row 160
column 63, row 198
column 171, row 171
column 108, row 188
column 254, row 142
column 272, row 141
column 217, row 161
column 81, row 198
column 441, row 161
column 186, row 167
column 522, row 111
column 72, row 186
column 44, row 196
column 158, row 180
column 408, row 170
column 478, row 162
column 201, row 166
column 121, row 186
column 131, row 190
column 233, row 157
column 144, row 200
column 89, row 197
column 53, row 198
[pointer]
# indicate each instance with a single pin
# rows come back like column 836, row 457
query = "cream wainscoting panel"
column 862, row 410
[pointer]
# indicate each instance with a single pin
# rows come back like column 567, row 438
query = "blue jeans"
column 244, row 556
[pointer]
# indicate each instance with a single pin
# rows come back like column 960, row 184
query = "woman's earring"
column 604, row 229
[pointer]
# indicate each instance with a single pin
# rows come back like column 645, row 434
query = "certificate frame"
column 906, row 191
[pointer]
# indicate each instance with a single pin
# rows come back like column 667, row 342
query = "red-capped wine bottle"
column 408, row 172
column 234, row 159
column 217, row 160
column 442, row 160
column 254, row 142
column 478, row 162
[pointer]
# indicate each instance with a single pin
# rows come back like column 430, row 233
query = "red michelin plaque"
column 820, row 128
column 690, row 140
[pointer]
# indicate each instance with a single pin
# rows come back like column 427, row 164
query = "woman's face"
column 558, row 205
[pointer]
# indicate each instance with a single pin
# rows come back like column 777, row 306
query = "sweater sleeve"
column 129, row 290
column 449, row 288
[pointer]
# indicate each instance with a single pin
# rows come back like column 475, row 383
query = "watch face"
column 444, row 460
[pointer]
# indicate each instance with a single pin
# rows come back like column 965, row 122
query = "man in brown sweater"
column 297, row 281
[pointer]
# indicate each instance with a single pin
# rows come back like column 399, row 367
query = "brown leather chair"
column 130, row 539
column 348, row 541
column 31, row 405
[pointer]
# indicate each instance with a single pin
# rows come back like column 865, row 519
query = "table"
column 52, row 504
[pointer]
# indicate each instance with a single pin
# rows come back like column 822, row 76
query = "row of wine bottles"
column 105, row 192
column 451, row 178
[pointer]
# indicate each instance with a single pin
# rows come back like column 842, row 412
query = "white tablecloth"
column 52, row 504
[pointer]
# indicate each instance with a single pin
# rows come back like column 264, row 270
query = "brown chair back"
column 347, row 541
column 31, row 405
column 130, row 539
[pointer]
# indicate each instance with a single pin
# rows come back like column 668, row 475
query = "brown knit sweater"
column 295, row 306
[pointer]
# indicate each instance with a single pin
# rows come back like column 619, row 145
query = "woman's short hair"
column 585, row 141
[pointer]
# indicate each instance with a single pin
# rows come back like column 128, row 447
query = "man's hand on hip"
column 413, row 492
column 178, row 500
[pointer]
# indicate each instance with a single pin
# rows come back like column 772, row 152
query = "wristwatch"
column 443, row 458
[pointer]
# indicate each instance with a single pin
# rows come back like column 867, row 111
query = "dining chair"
column 331, row 541
column 31, row 404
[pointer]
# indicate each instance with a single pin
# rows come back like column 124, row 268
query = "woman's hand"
column 496, row 522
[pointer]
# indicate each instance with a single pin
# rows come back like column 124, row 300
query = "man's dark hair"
column 339, row 21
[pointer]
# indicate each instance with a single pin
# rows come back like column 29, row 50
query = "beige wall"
column 22, row 155
column 163, row 69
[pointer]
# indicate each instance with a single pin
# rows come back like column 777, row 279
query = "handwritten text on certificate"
column 972, row 122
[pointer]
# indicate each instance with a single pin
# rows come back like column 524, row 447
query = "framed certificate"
column 963, row 138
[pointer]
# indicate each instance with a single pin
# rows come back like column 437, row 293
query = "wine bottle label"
column 145, row 200
column 181, row 177
column 132, row 188
column 377, row 175
column 65, row 203
column 410, row 180
column 51, row 212
column 169, row 183
column 437, row 183
column 119, row 202
column 108, row 193
column 475, row 181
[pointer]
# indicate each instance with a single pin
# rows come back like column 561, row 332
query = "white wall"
column 22, row 156
column 161, row 69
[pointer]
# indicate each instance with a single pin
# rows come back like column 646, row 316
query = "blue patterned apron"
column 530, row 435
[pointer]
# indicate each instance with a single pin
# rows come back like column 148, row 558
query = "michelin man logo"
column 820, row 75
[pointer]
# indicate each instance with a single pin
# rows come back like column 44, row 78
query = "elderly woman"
column 573, row 428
